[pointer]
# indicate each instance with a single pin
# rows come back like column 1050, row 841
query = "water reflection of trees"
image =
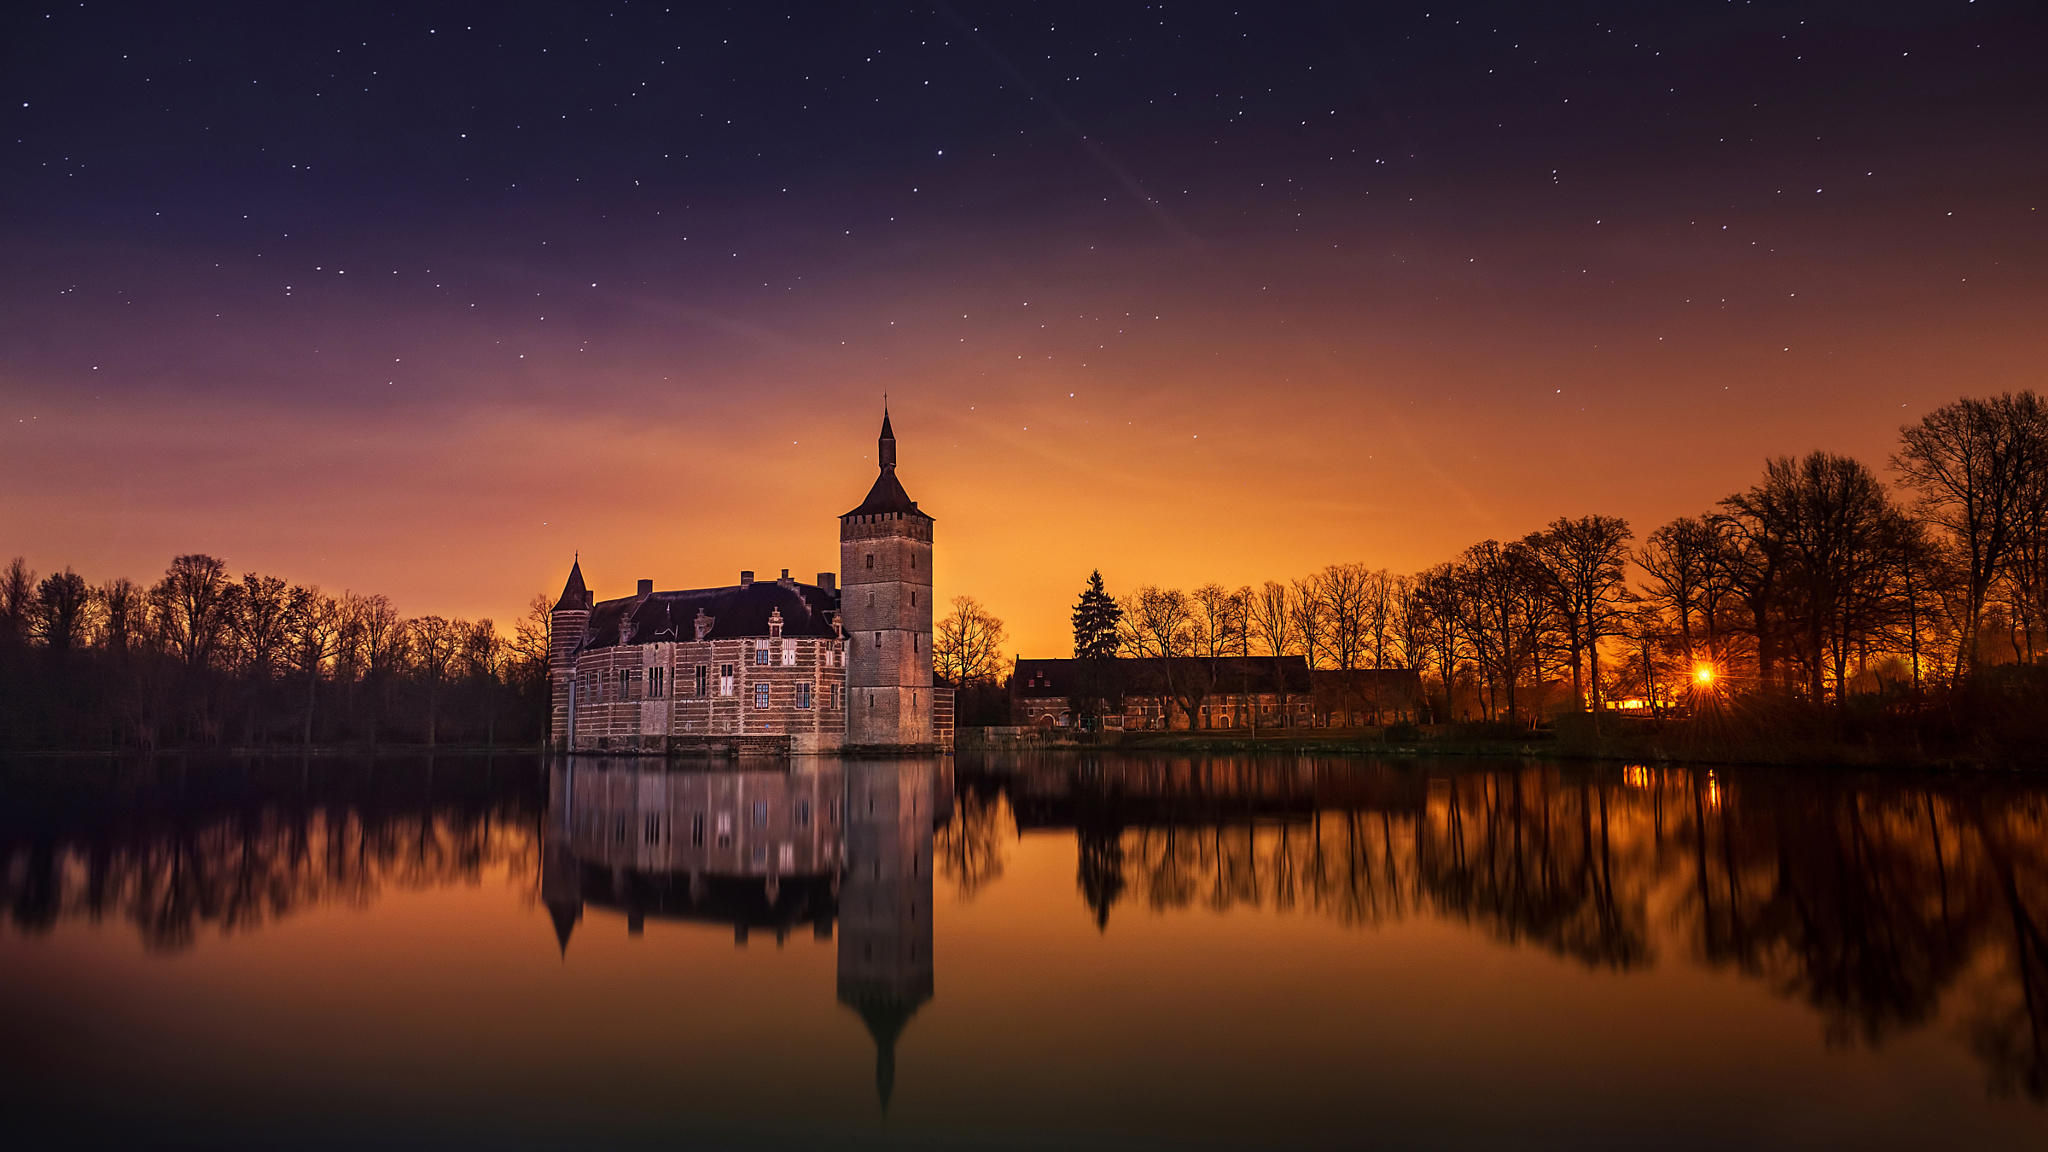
column 175, row 850
column 1874, row 899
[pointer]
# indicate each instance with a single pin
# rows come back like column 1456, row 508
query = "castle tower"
column 885, row 555
column 565, row 634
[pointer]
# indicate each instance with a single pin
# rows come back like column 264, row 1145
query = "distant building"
column 1224, row 692
column 763, row 666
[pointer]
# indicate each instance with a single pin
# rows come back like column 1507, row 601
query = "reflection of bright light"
column 1703, row 675
column 1713, row 791
column 1635, row 776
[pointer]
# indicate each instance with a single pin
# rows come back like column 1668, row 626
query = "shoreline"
column 1610, row 749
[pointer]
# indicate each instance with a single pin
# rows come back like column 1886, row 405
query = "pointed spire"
column 886, row 445
column 565, row 917
column 575, row 597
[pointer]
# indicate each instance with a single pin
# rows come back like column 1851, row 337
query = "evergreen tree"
column 1096, row 617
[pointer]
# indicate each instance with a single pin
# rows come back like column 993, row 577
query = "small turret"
column 575, row 597
column 568, row 622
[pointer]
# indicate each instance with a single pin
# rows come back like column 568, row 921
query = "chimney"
column 826, row 581
column 746, row 578
column 785, row 577
column 646, row 588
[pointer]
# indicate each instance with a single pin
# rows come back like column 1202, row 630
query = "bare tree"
column 436, row 641
column 313, row 637
column 118, row 611
column 17, row 601
column 1583, row 563
column 1160, row 624
column 1438, row 608
column 1346, row 597
column 1272, row 618
column 967, row 647
column 1505, row 603
column 190, row 608
column 1309, row 617
column 1681, row 559
column 1829, row 523
column 1215, row 623
column 61, row 603
column 1973, row 463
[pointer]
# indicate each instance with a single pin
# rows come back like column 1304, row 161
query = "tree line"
column 1818, row 583
column 201, row 659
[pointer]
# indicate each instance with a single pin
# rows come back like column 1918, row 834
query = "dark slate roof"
column 1387, row 687
column 1148, row 675
column 574, row 595
column 887, row 496
column 740, row 611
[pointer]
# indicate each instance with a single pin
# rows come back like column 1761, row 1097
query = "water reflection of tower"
column 561, row 881
column 885, row 899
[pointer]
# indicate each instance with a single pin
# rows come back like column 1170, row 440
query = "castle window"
column 871, row 559
column 913, row 599
column 703, row 680
column 871, row 599
column 789, row 654
column 623, row 682
column 878, row 639
column 803, row 694
column 725, row 679
column 760, row 695
column 760, row 652
column 838, row 697
column 654, row 685
column 913, row 561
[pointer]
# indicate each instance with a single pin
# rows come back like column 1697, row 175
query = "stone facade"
column 776, row 666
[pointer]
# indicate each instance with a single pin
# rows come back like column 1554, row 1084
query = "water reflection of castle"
column 770, row 849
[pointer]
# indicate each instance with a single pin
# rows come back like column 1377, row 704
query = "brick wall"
column 626, row 715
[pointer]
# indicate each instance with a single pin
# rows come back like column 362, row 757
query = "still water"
column 1019, row 951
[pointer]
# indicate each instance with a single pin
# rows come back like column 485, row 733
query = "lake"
column 1019, row 951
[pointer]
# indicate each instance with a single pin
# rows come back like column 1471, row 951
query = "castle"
column 764, row 666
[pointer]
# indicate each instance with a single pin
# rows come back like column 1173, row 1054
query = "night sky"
column 420, row 298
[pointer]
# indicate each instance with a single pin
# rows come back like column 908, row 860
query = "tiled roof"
column 887, row 496
column 575, row 597
column 737, row 612
column 1149, row 675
